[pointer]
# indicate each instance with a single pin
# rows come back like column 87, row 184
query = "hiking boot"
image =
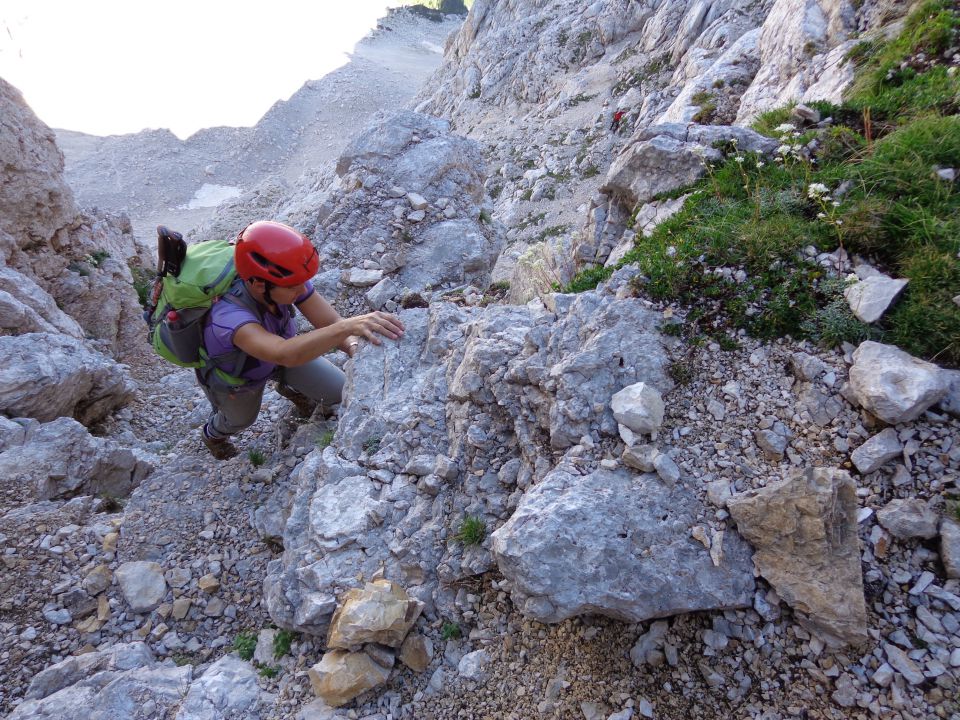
column 305, row 406
column 220, row 448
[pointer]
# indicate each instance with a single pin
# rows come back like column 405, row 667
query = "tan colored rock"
column 804, row 530
column 416, row 652
column 110, row 541
column 340, row 676
column 181, row 606
column 98, row 580
column 103, row 608
column 380, row 612
column 209, row 583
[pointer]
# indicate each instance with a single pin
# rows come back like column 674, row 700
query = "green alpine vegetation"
column 741, row 253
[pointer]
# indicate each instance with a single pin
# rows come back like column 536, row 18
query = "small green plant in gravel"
column 245, row 644
column 708, row 107
column 372, row 444
column 269, row 672
column 256, row 456
column 282, row 641
column 325, row 439
column 142, row 283
column 472, row 530
column 450, row 631
column 97, row 257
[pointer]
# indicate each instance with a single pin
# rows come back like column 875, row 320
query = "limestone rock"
column 98, row 580
column 876, row 451
column 614, row 543
column 381, row 293
column 908, row 518
column 951, row 401
column 340, row 676
column 950, row 546
column 74, row 669
column 107, row 686
column 804, row 530
column 639, row 407
column 142, row 584
column 35, row 201
column 473, row 666
column 25, row 307
column 381, row 612
column 893, row 385
column 45, row 376
column 361, row 278
column 65, row 459
column 228, row 688
column 655, row 166
column 869, row 298
column 416, row 652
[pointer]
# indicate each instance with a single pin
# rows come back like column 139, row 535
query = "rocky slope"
column 587, row 516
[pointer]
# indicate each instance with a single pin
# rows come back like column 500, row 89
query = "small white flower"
column 839, row 222
column 818, row 190
column 739, row 158
column 821, row 216
column 785, row 128
column 760, row 163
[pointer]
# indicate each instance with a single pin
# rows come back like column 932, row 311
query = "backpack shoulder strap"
column 226, row 368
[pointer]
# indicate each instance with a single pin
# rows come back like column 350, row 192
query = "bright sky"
column 109, row 67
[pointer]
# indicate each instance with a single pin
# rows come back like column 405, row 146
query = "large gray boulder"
column 46, row 376
column 25, row 307
column 74, row 669
column 458, row 418
column 615, row 544
column 408, row 205
column 127, row 681
column 62, row 459
column 228, row 689
column 804, row 530
column 893, row 385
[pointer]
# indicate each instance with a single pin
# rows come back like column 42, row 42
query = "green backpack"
column 189, row 280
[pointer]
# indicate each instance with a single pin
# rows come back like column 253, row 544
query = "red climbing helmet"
column 276, row 253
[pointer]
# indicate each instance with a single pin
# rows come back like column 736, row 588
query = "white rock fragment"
column 893, row 385
column 473, row 666
column 877, row 451
column 870, row 298
column 639, row 407
column 417, row 201
column 908, row 518
column 902, row 663
column 358, row 277
column 142, row 584
column 950, row 546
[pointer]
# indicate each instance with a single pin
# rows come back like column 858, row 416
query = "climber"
column 617, row 117
column 250, row 335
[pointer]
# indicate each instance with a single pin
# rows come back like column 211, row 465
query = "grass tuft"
column 472, row 530
column 450, row 631
column 245, row 644
column 281, row 643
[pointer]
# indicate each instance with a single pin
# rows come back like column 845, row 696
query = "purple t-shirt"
column 225, row 318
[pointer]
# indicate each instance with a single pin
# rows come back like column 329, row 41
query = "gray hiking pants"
column 237, row 410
